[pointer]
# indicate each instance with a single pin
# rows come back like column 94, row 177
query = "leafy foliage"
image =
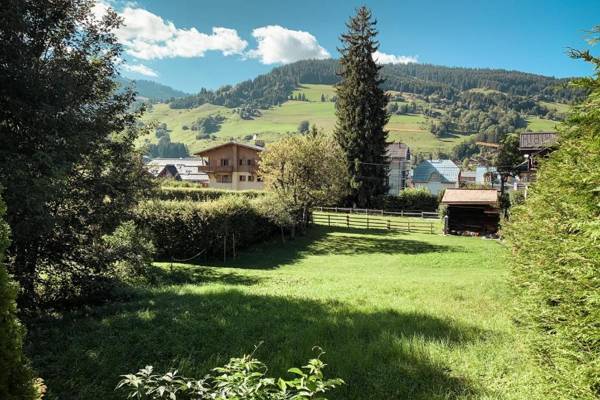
column 67, row 141
column 16, row 379
column 555, row 238
column 199, row 193
column 361, row 112
column 409, row 199
column 303, row 172
column 241, row 378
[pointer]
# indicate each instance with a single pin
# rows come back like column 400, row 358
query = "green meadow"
column 400, row 316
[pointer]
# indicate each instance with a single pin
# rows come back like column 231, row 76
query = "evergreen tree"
column 361, row 111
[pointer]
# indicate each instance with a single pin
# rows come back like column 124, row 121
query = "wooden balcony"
column 216, row 168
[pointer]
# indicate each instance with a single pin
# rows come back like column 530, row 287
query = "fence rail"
column 366, row 221
column 368, row 211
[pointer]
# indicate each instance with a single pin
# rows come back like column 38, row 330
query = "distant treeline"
column 275, row 87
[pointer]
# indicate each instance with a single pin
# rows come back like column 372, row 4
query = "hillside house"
column 472, row 210
column 534, row 146
column 184, row 169
column 232, row 166
column 436, row 175
column 399, row 157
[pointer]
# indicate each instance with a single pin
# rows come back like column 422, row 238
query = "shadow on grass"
column 321, row 240
column 381, row 355
column 182, row 274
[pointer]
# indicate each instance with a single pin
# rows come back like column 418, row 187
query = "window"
column 259, row 179
column 242, row 178
column 241, row 162
column 249, row 162
column 224, row 178
column 250, row 178
column 224, row 162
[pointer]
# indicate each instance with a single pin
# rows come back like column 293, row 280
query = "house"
column 472, row 210
column 399, row 158
column 467, row 178
column 232, row 165
column 165, row 172
column 436, row 175
column 188, row 169
column 533, row 146
column 486, row 176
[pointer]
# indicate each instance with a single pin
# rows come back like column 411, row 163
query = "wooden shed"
column 472, row 211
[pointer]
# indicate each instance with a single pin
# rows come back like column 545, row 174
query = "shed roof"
column 470, row 196
column 447, row 170
column 397, row 150
column 537, row 140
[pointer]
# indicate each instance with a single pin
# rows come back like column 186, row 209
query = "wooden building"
column 533, row 146
column 472, row 211
column 232, row 166
column 399, row 169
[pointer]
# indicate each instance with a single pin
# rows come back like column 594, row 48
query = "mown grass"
column 537, row 124
column 401, row 316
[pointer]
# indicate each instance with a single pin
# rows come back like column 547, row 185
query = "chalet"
column 472, row 210
column 436, row 175
column 399, row 158
column 533, row 146
column 232, row 165
column 186, row 169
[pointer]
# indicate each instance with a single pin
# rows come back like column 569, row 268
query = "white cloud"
column 148, row 36
column 277, row 44
column 140, row 69
column 383, row 58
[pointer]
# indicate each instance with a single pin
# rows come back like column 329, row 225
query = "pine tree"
column 361, row 111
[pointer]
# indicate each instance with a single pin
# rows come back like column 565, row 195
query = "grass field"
column 401, row 316
column 537, row 124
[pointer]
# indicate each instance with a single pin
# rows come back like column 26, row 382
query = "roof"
column 188, row 161
column 537, row 140
column 471, row 196
column 398, row 150
column 480, row 174
column 232, row 142
column 447, row 170
column 199, row 177
column 467, row 174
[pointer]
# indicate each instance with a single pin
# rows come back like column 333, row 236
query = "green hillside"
column 284, row 119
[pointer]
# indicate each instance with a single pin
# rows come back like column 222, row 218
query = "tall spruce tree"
column 361, row 111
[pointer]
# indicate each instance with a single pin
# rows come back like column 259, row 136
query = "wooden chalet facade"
column 533, row 146
column 232, row 166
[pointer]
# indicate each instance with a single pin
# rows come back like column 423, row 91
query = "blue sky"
column 192, row 44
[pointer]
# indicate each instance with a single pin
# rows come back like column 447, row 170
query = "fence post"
column 388, row 224
column 431, row 224
column 402, row 212
column 347, row 221
column 367, row 221
column 408, row 226
column 328, row 220
column 335, row 209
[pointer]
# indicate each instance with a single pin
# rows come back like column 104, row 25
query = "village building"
column 436, row 175
column 181, row 169
column 232, row 165
column 467, row 178
column 399, row 168
column 534, row 146
column 471, row 211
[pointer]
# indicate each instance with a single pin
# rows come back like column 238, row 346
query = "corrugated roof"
column 537, row 140
column 470, row 196
column 447, row 170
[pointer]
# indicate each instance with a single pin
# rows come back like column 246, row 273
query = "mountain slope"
column 151, row 90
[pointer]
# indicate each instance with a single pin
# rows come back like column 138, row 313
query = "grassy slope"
column 278, row 121
column 401, row 316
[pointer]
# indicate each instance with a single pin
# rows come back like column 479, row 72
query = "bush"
column 411, row 200
column 555, row 239
column 242, row 378
column 132, row 250
column 182, row 229
column 196, row 193
column 16, row 379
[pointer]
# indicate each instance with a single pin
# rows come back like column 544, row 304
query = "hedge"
column 200, row 194
column 16, row 380
column 182, row 229
column 555, row 240
column 411, row 200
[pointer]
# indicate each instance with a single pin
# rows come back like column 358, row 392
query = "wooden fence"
column 368, row 211
column 366, row 221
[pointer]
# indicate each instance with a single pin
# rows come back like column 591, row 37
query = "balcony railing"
column 216, row 168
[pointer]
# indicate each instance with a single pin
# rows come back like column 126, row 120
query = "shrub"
column 555, row 238
column 16, row 380
column 132, row 250
column 196, row 193
column 241, row 378
column 182, row 229
column 411, row 200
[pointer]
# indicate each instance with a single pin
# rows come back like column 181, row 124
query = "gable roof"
column 447, row 170
column 470, row 196
column 537, row 140
column 230, row 143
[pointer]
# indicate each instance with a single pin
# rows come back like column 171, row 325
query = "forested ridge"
column 276, row 86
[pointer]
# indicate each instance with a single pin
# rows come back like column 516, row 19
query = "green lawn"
column 401, row 316
column 538, row 124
